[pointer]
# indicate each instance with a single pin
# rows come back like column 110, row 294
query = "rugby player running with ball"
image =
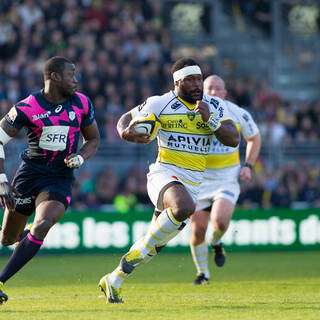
column 189, row 120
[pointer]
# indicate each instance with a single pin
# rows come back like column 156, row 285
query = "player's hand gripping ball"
column 147, row 123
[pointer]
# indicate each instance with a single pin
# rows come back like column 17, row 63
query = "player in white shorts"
column 220, row 190
column 188, row 120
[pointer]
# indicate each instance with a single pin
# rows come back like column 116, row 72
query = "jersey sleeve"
column 218, row 109
column 152, row 104
column 248, row 127
column 88, row 117
column 16, row 118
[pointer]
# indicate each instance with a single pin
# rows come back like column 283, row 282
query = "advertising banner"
column 250, row 230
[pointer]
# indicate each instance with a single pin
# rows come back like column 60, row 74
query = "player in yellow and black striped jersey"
column 189, row 120
column 220, row 190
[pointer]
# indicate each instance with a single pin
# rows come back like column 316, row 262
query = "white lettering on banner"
column 309, row 230
column 243, row 235
column 88, row 232
column 63, row 235
column 288, row 232
column 120, row 228
column 103, row 234
column 260, row 232
column 274, row 223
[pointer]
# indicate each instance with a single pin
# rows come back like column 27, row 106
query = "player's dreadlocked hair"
column 183, row 62
column 54, row 64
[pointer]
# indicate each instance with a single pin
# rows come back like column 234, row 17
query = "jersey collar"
column 189, row 105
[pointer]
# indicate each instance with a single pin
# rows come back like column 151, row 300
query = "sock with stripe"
column 159, row 231
column 23, row 234
column 216, row 236
column 118, row 275
column 200, row 258
column 25, row 251
column 149, row 256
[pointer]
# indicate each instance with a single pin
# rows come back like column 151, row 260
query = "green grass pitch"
column 282, row 286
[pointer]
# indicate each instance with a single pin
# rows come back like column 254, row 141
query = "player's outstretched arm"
column 7, row 132
column 127, row 132
column 91, row 141
column 228, row 134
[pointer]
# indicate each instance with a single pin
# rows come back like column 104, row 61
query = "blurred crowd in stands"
column 294, row 185
column 250, row 12
column 123, row 54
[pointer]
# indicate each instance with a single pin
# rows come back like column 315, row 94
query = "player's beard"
column 186, row 95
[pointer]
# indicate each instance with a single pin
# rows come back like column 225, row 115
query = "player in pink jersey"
column 54, row 118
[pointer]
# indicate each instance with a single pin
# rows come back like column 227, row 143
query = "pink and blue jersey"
column 53, row 130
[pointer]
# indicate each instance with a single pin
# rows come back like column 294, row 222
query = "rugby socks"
column 118, row 275
column 147, row 258
column 159, row 231
column 23, row 234
column 216, row 236
column 200, row 258
column 25, row 251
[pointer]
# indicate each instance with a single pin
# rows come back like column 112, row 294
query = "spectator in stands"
column 107, row 186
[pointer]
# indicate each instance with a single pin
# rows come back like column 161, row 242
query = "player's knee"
column 183, row 211
column 7, row 240
column 41, row 228
column 222, row 225
column 199, row 233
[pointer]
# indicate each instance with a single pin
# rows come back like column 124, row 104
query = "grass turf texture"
column 250, row 286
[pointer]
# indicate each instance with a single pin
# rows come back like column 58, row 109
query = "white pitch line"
column 186, row 298
column 36, row 296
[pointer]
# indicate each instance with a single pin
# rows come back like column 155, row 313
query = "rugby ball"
column 147, row 123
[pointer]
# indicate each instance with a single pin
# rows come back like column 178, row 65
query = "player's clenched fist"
column 203, row 109
column 74, row 161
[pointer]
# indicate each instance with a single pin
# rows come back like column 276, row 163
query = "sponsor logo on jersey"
column 20, row 201
column 173, row 124
column 72, row 115
column 189, row 143
column 58, row 108
column 245, row 117
column 142, row 105
column 191, row 115
column 12, row 114
column 201, row 125
column 36, row 117
column 176, row 105
column 219, row 148
column 214, row 102
column 54, row 138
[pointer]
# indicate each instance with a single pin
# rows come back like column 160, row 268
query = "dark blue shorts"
column 36, row 185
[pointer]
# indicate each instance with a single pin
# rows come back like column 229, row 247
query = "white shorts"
column 224, row 186
column 160, row 174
